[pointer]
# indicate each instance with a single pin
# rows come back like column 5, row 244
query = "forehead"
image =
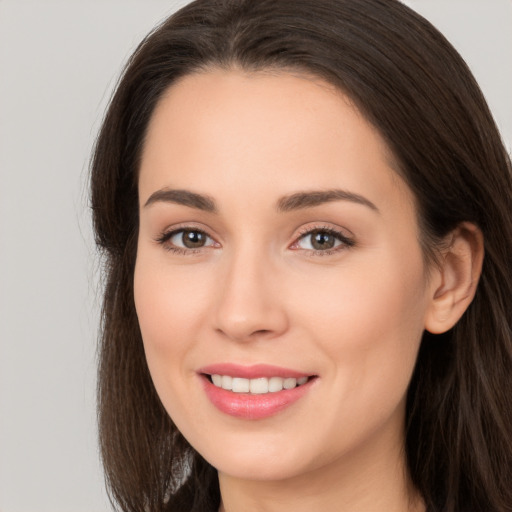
column 241, row 132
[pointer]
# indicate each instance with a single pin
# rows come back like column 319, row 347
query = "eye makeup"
column 316, row 240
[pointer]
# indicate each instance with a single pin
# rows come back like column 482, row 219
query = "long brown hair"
column 418, row 92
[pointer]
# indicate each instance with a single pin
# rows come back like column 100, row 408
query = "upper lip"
column 252, row 371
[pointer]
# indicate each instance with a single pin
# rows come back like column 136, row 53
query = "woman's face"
column 277, row 245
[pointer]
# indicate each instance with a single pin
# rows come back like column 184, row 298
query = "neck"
column 373, row 477
column 392, row 494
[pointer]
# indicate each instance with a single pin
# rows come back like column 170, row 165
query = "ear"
column 456, row 279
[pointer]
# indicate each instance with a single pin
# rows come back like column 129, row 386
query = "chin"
column 258, row 469
column 265, row 460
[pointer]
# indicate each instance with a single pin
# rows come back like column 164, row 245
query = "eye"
column 190, row 239
column 324, row 240
column 184, row 240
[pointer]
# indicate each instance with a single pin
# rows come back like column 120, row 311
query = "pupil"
column 193, row 239
column 322, row 240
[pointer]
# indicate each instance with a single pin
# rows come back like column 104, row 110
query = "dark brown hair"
column 417, row 91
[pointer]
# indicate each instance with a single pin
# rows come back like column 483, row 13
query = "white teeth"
column 289, row 383
column 227, row 382
column 240, row 385
column 275, row 384
column 257, row 386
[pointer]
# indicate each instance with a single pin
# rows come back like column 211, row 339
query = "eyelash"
column 164, row 238
column 346, row 242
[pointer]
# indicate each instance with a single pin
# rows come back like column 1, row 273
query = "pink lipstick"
column 253, row 392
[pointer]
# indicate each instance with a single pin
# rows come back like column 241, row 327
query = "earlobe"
column 458, row 273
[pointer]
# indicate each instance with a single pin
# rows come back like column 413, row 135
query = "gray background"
column 58, row 63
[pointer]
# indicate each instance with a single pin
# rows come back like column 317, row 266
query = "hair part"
column 410, row 83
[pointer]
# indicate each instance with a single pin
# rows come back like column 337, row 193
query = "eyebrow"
column 300, row 200
column 295, row 201
column 183, row 197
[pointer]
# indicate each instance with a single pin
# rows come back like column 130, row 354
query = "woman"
column 294, row 199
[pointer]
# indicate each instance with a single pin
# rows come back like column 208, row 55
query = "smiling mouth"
column 254, row 392
column 257, row 386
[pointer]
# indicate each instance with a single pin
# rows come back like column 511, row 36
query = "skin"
column 257, row 291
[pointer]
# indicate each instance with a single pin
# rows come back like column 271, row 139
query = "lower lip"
column 253, row 407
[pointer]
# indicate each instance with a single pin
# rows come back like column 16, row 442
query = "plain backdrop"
column 59, row 61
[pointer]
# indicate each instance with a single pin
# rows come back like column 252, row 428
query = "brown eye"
column 193, row 239
column 189, row 239
column 323, row 240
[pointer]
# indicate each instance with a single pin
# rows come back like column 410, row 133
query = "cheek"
column 368, row 322
column 168, row 306
column 169, row 303
column 374, row 296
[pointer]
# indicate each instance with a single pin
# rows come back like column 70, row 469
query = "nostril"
column 261, row 332
column 239, row 333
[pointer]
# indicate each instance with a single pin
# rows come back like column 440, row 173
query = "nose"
column 249, row 305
